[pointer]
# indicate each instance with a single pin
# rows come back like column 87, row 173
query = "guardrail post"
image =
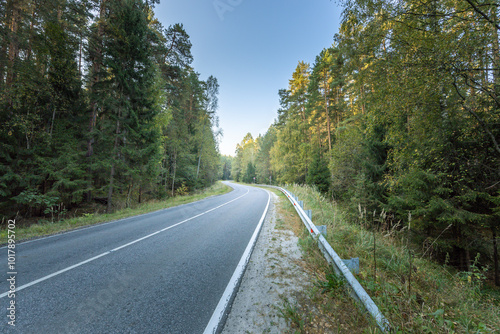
column 322, row 229
column 352, row 265
column 301, row 203
column 341, row 267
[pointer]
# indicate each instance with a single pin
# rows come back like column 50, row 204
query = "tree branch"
column 476, row 116
column 476, row 8
column 477, row 85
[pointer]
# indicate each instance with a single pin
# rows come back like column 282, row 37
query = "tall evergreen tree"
column 319, row 175
column 111, row 140
column 130, row 143
column 263, row 167
column 403, row 110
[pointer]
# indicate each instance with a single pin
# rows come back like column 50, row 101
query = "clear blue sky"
column 252, row 47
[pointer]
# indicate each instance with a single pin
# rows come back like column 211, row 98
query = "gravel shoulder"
column 274, row 275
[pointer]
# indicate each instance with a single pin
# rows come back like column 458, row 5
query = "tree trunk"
column 3, row 51
column 96, row 68
column 201, row 150
column 307, row 135
column 337, row 107
column 80, row 56
column 496, row 53
column 14, row 21
column 173, row 176
column 495, row 256
column 328, row 127
column 53, row 119
column 110, row 188
column 319, row 136
column 129, row 192
column 112, row 174
column 32, row 27
column 165, row 168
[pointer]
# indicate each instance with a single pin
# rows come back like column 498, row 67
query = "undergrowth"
column 324, row 307
column 415, row 294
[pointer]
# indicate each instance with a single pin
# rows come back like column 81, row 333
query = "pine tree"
column 249, row 176
column 263, row 167
column 226, row 162
column 318, row 174
column 129, row 140
column 111, row 140
column 245, row 156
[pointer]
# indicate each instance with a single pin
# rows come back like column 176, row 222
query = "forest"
column 398, row 120
column 99, row 103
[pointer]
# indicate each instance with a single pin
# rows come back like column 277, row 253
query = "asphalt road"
column 162, row 272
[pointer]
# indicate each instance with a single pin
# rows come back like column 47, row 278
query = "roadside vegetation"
column 96, row 214
column 398, row 119
column 416, row 294
column 323, row 307
column 99, row 104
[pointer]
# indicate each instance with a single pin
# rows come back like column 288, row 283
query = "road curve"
column 162, row 272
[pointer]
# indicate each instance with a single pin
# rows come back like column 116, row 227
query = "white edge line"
column 217, row 318
column 78, row 229
column 22, row 287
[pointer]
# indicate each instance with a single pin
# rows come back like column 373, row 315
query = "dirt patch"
column 288, row 286
column 273, row 275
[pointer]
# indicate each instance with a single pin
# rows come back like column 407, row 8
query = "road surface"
column 162, row 272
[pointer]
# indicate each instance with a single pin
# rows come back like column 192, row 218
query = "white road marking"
column 80, row 229
column 22, row 287
column 222, row 307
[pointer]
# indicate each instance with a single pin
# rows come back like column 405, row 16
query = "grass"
column 45, row 228
column 415, row 294
column 291, row 312
column 324, row 306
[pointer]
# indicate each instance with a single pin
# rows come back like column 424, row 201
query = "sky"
column 252, row 47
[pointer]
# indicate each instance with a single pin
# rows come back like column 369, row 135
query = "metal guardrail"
column 356, row 290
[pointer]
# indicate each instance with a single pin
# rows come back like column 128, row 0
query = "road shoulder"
column 274, row 275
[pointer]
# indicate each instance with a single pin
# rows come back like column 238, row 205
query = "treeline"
column 99, row 102
column 400, row 120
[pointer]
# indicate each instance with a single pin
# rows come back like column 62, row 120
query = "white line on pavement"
column 222, row 307
column 22, row 287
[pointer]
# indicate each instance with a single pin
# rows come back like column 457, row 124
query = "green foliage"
column 249, row 176
column 290, row 156
column 263, row 168
column 403, row 109
column 332, row 284
column 290, row 312
column 318, row 174
column 226, row 166
column 34, row 200
column 414, row 293
column 245, row 158
column 98, row 101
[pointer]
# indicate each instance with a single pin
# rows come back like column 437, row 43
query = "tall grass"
column 414, row 293
column 324, row 306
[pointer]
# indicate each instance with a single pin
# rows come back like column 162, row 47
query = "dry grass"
column 317, row 309
column 415, row 294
